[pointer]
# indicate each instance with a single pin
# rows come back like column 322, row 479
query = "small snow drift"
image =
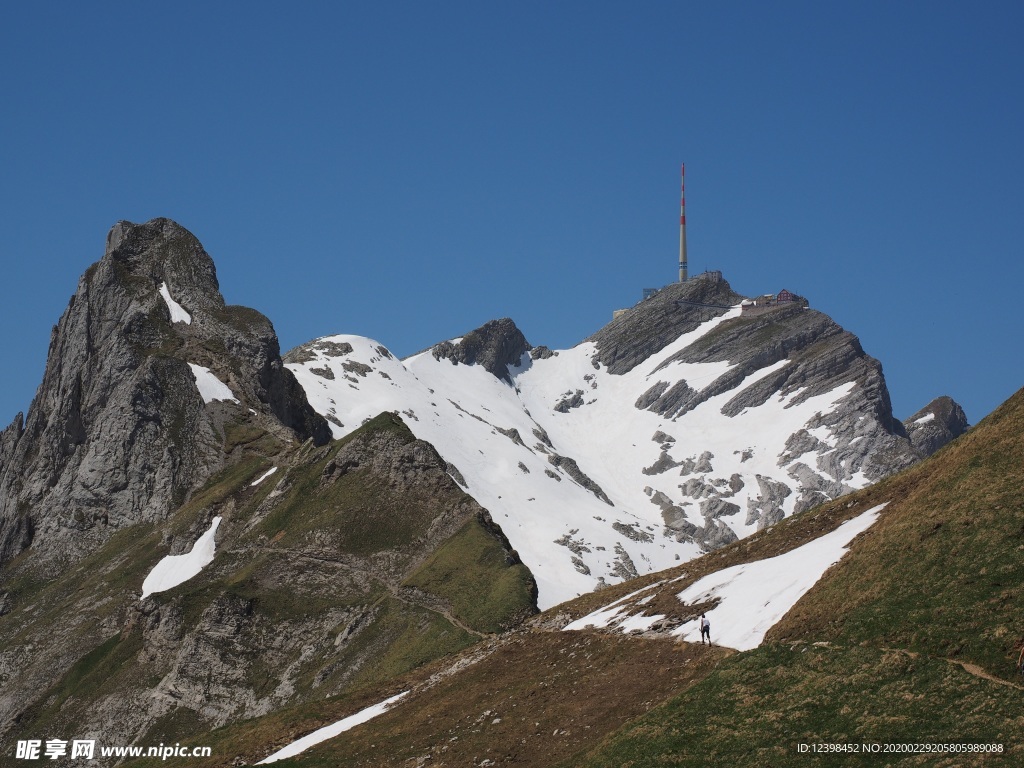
column 178, row 313
column 330, row 731
column 210, row 387
column 177, row 569
column 263, row 477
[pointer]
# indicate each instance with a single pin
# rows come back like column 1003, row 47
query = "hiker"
column 705, row 629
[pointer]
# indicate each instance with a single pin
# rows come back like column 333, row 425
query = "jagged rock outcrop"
column 118, row 431
column 935, row 425
column 659, row 320
column 494, row 346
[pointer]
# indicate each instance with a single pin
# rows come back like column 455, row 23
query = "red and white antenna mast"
column 682, row 226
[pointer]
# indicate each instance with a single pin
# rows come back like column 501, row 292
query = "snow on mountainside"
column 749, row 599
column 591, row 481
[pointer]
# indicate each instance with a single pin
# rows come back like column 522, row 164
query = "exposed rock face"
column 495, row 345
column 571, row 468
column 637, row 334
column 939, row 422
column 809, row 355
column 118, row 432
column 821, row 356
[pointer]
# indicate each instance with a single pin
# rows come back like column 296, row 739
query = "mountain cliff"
column 863, row 648
column 120, row 431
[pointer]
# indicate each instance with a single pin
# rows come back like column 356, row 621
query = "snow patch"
column 755, row 596
column 210, row 387
column 177, row 569
column 330, row 731
column 178, row 313
column 925, row 419
column 263, row 477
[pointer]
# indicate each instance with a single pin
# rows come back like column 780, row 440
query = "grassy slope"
column 265, row 568
column 876, row 652
column 529, row 698
column 943, row 571
column 757, row 707
column 472, row 574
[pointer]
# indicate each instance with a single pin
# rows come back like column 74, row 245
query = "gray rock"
column 768, row 504
column 704, row 462
column 569, row 401
column 663, row 464
column 571, row 468
column 937, row 424
column 623, row 565
column 495, row 346
column 117, row 432
column 308, row 352
column 633, row 532
column 718, row 507
column 634, row 336
column 671, row 402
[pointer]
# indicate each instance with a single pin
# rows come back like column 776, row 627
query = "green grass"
column 942, row 571
column 244, row 433
column 471, row 571
column 105, row 670
column 363, row 512
column 407, row 637
column 757, row 707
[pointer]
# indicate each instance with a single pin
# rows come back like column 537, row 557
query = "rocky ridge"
column 938, row 423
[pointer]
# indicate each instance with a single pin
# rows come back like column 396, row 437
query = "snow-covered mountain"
column 686, row 423
column 183, row 545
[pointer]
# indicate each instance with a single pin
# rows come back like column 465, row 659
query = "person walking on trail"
column 705, row 629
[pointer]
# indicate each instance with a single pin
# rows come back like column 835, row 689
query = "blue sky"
column 409, row 170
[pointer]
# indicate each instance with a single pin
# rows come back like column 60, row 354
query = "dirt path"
column 967, row 666
column 977, row 671
column 405, row 594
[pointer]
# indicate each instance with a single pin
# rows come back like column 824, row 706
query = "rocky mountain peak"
column 495, row 346
column 125, row 425
column 938, row 423
column 163, row 252
column 656, row 322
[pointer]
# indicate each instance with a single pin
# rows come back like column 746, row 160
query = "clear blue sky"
column 409, row 170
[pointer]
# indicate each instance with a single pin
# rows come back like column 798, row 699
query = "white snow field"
column 178, row 313
column 210, row 387
column 330, row 731
column 501, row 437
column 177, row 569
column 753, row 596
